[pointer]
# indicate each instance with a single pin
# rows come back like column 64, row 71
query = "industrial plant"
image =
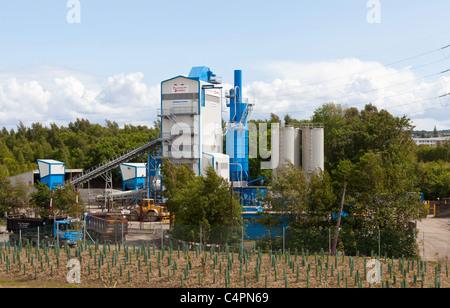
column 193, row 133
column 202, row 125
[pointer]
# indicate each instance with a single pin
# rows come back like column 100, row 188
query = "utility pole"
column 336, row 234
column 51, row 203
column 76, row 200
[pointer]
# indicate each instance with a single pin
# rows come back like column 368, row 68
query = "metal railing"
column 187, row 110
column 114, row 162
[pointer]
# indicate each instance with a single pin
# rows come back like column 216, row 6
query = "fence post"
column 379, row 243
column 329, row 241
column 423, row 239
column 283, row 238
column 84, row 229
column 242, row 236
column 38, row 238
column 162, row 238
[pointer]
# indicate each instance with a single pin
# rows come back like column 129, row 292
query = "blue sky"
column 309, row 52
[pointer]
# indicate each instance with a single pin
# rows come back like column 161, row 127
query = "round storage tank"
column 318, row 148
column 290, row 147
column 312, row 150
column 307, row 161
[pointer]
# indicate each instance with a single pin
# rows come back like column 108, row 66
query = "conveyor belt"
column 93, row 173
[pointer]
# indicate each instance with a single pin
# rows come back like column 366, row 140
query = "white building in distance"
column 435, row 141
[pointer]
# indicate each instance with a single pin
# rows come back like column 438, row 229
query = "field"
column 113, row 266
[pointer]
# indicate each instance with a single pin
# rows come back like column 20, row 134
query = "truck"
column 48, row 230
column 148, row 209
column 106, row 227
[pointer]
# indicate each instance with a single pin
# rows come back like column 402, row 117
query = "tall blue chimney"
column 237, row 136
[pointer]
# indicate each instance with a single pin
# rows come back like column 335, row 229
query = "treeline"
column 372, row 136
column 350, row 134
column 79, row 145
column 374, row 167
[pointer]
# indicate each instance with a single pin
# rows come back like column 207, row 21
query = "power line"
column 384, row 88
column 280, row 92
column 393, row 85
column 367, row 102
column 278, row 95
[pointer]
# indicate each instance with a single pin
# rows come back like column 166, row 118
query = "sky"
column 105, row 60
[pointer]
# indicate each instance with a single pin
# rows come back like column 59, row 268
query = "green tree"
column 6, row 195
column 373, row 151
column 200, row 202
column 433, row 179
column 174, row 180
column 427, row 153
column 381, row 194
column 298, row 202
column 80, row 145
column 288, row 195
column 321, row 198
column 63, row 202
column 350, row 133
column 40, row 199
column 19, row 197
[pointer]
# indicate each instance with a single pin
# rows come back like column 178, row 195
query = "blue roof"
column 201, row 73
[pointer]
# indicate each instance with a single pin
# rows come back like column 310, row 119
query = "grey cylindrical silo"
column 290, row 146
column 312, row 150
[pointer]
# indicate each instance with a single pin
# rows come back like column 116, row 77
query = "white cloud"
column 301, row 88
column 60, row 96
column 54, row 94
column 430, row 123
column 17, row 97
column 120, row 90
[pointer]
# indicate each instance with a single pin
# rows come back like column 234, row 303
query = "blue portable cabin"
column 51, row 172
column 134, row 176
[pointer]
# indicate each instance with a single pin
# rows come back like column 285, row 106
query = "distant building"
column 431, row 141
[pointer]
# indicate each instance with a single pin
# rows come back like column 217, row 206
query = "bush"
column 352, row 242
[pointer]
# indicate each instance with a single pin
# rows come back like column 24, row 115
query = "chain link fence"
column 383, row 243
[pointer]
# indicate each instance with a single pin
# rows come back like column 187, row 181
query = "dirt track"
column 434, row 232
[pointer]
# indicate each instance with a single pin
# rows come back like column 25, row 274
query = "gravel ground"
column 434, row 238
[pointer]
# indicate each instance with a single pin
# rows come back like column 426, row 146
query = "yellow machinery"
column 149, row 210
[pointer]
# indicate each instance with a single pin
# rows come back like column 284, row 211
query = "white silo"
column 312, row 149
column 318, row 148
column 307, row 150
column 290, row 146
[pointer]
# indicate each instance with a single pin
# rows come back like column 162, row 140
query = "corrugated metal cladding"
column 179, row 96
column 213, row 99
